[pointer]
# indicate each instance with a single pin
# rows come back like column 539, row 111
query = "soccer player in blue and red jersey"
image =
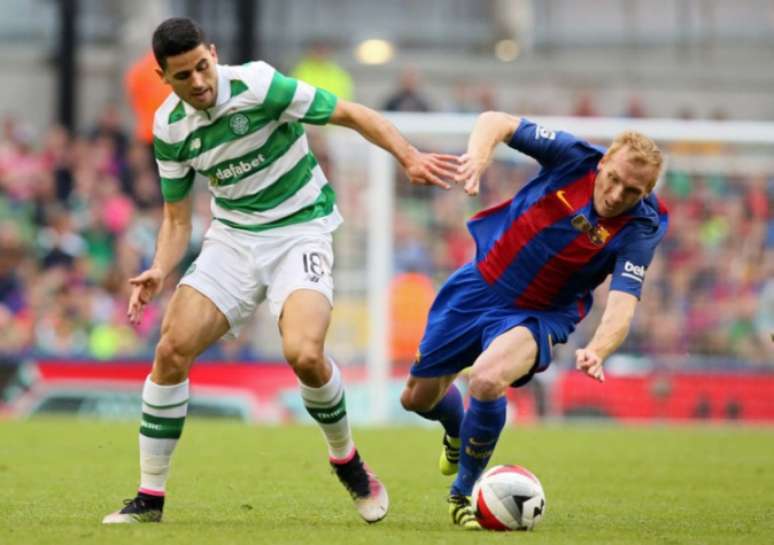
column 589, row 213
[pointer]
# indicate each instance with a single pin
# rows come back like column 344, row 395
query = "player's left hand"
column 590, row 363
column 431, row 168
column 469, row 173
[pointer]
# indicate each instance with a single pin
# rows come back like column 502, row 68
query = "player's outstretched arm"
column 421, row 168
column 174, row 234
column 610, row 333
column 490, row 129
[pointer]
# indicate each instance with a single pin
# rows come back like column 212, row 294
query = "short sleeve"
column 176, row 177
column 548, row 147
column 176, row 189
column 289, row 99
column 634, row 259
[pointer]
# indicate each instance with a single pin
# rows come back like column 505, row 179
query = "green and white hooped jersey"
column 252, row 148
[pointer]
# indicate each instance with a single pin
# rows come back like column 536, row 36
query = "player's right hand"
column 469, row 173
column 145, row 287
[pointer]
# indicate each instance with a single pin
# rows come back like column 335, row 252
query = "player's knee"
column 409, row 400
column 307, row 360
column 413, row 400
column 486, row 385
column 172, row 361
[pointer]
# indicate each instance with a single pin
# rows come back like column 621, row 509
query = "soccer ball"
column 508, row 498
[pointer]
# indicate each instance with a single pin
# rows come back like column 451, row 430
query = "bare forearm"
column 376, row 129
column 615, row 323
column 490, row 129
column 608, row 337
column 610, row 333
column 171, row 245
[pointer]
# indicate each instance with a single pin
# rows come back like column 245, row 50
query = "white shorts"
column 239, row 270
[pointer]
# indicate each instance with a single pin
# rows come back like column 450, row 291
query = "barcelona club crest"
column 597, row 235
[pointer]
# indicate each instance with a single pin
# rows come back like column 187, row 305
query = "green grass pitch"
column 235, row 484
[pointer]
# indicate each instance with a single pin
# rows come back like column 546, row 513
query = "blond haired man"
column 589, row 213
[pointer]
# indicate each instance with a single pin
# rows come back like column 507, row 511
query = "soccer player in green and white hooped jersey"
column 271, row 240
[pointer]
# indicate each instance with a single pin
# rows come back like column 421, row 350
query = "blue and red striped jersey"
column 546, row 248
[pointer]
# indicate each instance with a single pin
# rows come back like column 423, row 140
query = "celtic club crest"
column 239, row 124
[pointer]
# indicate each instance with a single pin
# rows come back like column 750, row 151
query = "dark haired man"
column 274, row 212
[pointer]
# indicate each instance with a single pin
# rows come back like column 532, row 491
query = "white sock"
column 327, row 406
column 163, row 414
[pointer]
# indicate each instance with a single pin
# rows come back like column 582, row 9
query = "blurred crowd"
column 711, row 289
column 79, row 215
